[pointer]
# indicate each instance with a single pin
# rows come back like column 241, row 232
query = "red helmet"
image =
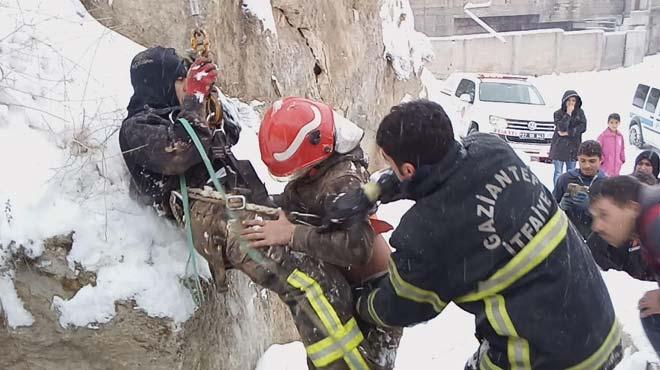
column 295, row 134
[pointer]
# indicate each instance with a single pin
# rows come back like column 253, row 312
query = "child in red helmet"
column 318, row 151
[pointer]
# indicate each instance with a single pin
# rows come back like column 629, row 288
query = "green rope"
column 253, row 254
column 198, row 293
column 243, row 245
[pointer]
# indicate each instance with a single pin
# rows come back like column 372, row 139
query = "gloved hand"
column 566, row 202
column 201, row 76
column 347, row 208
column 581, row 200
column 388, row 184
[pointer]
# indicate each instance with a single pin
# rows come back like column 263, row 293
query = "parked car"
column 645, row 116
column 507, row 105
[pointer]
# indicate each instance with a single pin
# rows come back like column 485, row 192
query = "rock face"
column 230, row 331
column 328, row 50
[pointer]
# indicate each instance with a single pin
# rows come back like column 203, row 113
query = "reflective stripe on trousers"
column 342, row 340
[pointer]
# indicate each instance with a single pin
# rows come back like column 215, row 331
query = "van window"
column 466, row 87
column 640, row 96
column 652, row 103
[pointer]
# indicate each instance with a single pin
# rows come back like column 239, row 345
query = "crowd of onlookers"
column 618, row 216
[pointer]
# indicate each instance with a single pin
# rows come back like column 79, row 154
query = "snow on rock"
column 263, row 10
column 11, row 306
column 64, row 86
column 405, row 48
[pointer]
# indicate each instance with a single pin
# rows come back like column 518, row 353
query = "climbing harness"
column 341, row 340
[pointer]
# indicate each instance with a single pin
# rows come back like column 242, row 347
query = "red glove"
column 201, row 76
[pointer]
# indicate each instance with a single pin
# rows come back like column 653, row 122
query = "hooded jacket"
column 614, row 151
column 156, row 147
column 486, row 234
column 652, row 157
column 565, row 148
column 581, row 217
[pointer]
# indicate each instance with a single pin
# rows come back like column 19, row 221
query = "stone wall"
column 328, row 50
column 538, row 52
column 446, row 17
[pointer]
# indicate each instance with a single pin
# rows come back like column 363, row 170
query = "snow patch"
column 290, row 356
column 65, row 86
column 405, row 48
column 11, row 305
column 263, row 10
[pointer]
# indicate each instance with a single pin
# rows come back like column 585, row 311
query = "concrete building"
column 446, row 17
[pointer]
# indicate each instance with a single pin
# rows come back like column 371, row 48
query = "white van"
column 645, row 116
column 507, row 105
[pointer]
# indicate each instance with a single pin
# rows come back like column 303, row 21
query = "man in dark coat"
column 623, row 210
column 627, row 258
column 486, row 234
column 576, row 203
column 155, row 146
column 570, row 124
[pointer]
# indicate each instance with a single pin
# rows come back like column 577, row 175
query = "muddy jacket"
column 486, row 234
column 347, row 246
column 157, row 149
column 565, row 148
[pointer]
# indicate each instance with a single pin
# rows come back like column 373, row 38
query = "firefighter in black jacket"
column 485, row 234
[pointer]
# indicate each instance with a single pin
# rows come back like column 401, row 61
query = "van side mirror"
column 466, row 98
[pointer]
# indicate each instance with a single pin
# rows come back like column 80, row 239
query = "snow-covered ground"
column 64, row 85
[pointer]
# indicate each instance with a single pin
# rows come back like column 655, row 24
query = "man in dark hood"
column 156, row 147
column 570, row 124
column 648, row 162
column 157, row 76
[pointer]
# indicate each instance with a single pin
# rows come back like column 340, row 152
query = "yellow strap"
column 499, row 319
column 372, row 310
column 486, row 364
column 317, row 299
column 535, row 252
column 342, row 340
column 408, row 291
column 596, row 360
column 337, row 346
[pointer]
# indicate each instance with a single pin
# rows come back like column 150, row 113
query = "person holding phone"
column 572, row 188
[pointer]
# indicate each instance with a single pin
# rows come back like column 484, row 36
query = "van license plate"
column 532, row 135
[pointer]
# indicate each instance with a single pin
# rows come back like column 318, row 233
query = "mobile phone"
column 576, row 188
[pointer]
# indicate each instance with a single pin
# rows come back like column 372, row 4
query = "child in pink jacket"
column 611, row 140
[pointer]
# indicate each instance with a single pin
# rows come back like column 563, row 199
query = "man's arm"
column 160, row 145
column 347, row 245
column 560, row 188
column 409, row 294
column 562, row 121
column 403, row 298
column 579, row 125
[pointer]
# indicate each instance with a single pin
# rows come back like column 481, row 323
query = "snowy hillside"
column 64, row 88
